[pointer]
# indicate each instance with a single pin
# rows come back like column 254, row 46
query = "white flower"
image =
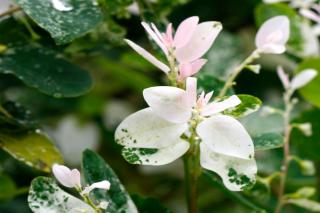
column 65, row 176
column 273, row 35
column 98, row 185
column 152, row 136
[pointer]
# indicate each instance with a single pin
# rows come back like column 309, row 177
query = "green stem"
column 192, row 172
column 5, row 112
column 286, row 150
column 10, row 11
column 229, row 83
column 87, row 199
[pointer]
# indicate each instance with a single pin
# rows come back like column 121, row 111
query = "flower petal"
column 310, row 14
column 217, row 107
column 156, row 157
column 273, row 35
column 144, row 129
column 155, row 37
column 237, row 174
column 65, row 176
column 185, row 31
column 169, row 103
column 98, row 185
column 225, row 135
column 303, row 78
column 191, row 90
column 145, row 54
column 201, row 41
column 283, row 77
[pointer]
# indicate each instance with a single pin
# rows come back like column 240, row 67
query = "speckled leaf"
column 32, row 148
column 44, row 70
column 311, row 91
column 249, row 104
column 267, row 141
column 46, row 196
column 95, row 169
column 64, row 26
column 266, row 11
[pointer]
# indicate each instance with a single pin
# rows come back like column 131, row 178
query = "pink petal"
column 145, row 54
column 185, row 70
column 197, row 65
column 155, row 37
column 76, row 177
column 169, row 34
column 200, row 42
column 185, row 31
column 283, row 77
column 217, row 107
column 273, row 35
column 191, row 90
column 169, row 103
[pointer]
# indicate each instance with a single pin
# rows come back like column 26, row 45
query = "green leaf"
column 306, row 204
column 311, row 91
column 248, row 105
column 308, row 147
column 64, row 26
column 210, row 83
column 267, row 141
column 265, row 11
column 149, row 205
column 46, row 196
column 95, row 169
column 32, row 148
column 44, row 70
column 7, row 188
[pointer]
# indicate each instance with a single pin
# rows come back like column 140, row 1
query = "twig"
column 10, row 11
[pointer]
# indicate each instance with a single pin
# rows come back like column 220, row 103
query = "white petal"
column 155, row 37
column 283, row 77
column 303, row 78
column 145, row 54
column 185, row 31
column 237, row 174
column 156, row 157
column 217, row 107
column 273, row 35
column 65, row 176
column 98, row 185
column 169, row 103
column 225, row 135
column 191, row 90
column 201, row 41
column 145, row 129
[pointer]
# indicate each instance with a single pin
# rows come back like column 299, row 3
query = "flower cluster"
column 178, row 118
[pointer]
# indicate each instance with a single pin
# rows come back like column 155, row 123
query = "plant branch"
column 286, row 149
column 229, row 83
column 10, row 11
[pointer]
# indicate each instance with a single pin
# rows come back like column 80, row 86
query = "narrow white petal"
column 273, row 35
column 225, row 135
column 155, row 37
column 156, row 157
column 303, row 78
column 169, row 103
column 191, row 90
column 145, row 129
column 145, row 54
column 217, row 107
column 98, row 185
column 236, row 173
column 201, row 41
